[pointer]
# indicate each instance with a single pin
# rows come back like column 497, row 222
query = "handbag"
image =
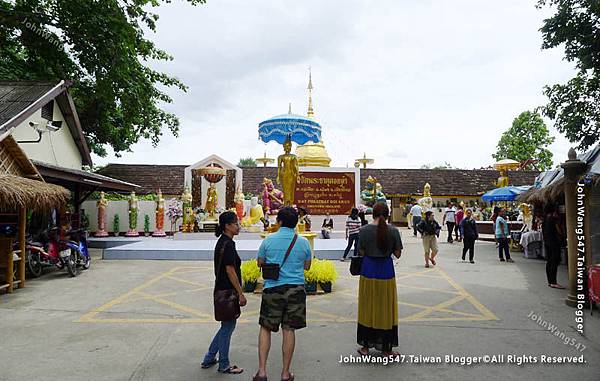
column 355, row 265
column 270, row 271
column 226, row 302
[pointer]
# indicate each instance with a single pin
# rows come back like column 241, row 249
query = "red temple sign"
column 326, row 192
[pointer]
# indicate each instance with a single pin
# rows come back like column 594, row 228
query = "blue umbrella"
column 298, row 128
column 509, row 193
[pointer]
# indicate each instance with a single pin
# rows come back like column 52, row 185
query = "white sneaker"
column 343, row 260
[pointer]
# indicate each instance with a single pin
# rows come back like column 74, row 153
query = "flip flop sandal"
column 206, row 365
column 258, row 378
column 234, row 369
column 289, row 379
column 362, row 353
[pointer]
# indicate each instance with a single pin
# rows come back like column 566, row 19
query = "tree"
column 446, row 165
column 247, row 162
column 575, row 106
column 526, row 139
column 100, row 45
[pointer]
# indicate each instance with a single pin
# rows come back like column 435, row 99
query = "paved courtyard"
column 152, row 320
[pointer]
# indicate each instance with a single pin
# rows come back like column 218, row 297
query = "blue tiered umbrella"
column 298, row 128
column 509, row 193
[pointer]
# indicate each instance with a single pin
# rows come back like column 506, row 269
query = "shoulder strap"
column 289, row 250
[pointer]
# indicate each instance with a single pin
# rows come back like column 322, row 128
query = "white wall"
column 56, row 148
column 122, row 209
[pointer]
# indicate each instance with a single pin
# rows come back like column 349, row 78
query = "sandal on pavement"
column 234, row 369
column 210, row 364
column 433, row 261
column 291, row 378
column 360, row 352
column 557, row 286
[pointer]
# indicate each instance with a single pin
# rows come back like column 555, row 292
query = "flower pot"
column 310, row 287
column 326, row 287
column 249, row 286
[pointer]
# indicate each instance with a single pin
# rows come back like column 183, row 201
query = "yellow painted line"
column 123, row 297
column 484, row 311
column 435, row 308
column 454, row 292
column 177, row 306
column 186, row 281
column 441, row 309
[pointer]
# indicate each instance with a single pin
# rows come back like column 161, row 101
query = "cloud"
column 405, row 82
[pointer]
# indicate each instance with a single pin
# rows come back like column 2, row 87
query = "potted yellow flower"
column 310, row 277
column 250, row 274
column 326, row 274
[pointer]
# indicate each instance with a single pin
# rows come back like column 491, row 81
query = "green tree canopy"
column 101, row 46
column 575, row 106
column 247, row 162
column 526, row 139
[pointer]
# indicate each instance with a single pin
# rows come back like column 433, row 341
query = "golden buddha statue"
column 287, row 172
column 188, row 212
column 254, row 216
column 211, row 201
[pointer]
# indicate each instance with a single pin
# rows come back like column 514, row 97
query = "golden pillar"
column 573, row 168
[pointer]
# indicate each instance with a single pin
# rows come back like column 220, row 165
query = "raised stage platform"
column 196, row 249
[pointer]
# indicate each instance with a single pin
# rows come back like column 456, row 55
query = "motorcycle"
column 79, row 246
column 50, row 251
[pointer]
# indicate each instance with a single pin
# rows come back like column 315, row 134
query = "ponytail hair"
column 225, row 218
column 381, row 211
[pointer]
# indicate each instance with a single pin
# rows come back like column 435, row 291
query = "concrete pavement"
column 152, row 320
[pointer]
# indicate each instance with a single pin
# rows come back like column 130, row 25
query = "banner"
column 326, row 192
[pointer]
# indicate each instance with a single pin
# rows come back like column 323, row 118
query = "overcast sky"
column 407, row 82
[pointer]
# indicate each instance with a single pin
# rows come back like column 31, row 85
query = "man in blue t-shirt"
column 283, row 300
column 502, row 235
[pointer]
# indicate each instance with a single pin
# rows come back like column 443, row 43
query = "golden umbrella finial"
column 364, row 161
column 265, row 160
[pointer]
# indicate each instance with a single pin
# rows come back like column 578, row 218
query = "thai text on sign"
column 326, row 192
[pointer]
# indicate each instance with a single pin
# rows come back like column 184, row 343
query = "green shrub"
column 116, row 223
column 146, row 224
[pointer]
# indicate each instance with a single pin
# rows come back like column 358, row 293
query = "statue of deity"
column 373, row 193
column 527, row 217
column 272, row 197
column 426, row 201
column 238, row 200
column 160, row 216
column 503, row 179
column 102, row 203
column 254, row 216
column 133, row 216
column 188, row 212
column 287, row 172
column 211, row 201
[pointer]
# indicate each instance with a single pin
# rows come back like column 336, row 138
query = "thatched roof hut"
column 21, row 185
column 18, row 192
column 549, row 185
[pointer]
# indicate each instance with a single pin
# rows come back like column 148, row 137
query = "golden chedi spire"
column 311, row 111
column 312, row 154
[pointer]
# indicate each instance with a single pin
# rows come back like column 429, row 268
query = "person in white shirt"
column 417, row 213
column 449, row 219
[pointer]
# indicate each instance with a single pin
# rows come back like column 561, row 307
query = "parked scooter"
column 78, row 244
column 51, row 251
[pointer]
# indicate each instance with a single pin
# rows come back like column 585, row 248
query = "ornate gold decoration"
column 287, row 173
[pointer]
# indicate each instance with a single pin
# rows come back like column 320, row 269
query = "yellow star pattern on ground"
column 183, row 295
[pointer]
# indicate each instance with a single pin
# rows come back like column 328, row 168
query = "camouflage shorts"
column 285, row 305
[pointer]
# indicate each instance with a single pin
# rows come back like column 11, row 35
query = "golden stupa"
column 312, row 154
